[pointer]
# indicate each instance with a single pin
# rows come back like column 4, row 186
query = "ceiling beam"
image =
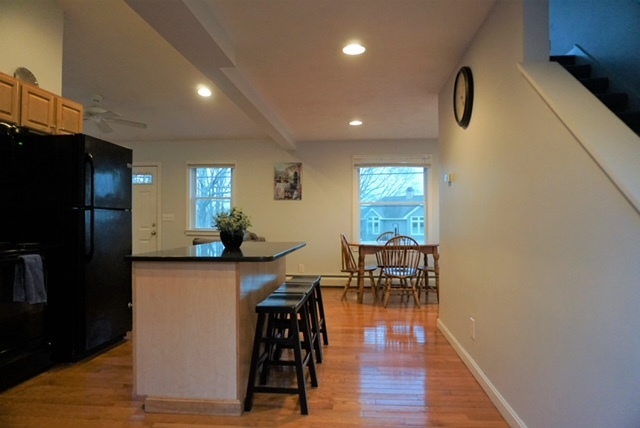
column 193, row 32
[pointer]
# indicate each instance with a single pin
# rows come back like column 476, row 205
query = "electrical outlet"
column 473, row 328
column 300, row 268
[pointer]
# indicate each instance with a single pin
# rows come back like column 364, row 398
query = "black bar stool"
column 276, row 314
column 317, row 290
column 312, row 307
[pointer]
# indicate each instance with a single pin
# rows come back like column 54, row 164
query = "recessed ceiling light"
column 203, row 91
column 355, row 123
column 353, row 49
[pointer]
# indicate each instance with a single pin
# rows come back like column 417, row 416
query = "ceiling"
column 275, row 67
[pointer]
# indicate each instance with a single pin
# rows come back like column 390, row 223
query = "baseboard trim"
column 193, row 406
column 498, row 400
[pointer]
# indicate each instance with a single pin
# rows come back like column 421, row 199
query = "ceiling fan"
column 103, row 117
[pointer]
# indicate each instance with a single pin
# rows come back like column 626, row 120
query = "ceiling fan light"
column 203, row 91
column 353, row 49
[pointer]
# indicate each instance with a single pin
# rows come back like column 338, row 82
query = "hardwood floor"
column 383, row 368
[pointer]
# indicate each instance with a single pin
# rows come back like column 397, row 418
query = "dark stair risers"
column 563, row 59
column 579, row 71
column 617, row 102
column 596, row 85
column 632, row 119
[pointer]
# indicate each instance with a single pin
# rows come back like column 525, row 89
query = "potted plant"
column 232, row 225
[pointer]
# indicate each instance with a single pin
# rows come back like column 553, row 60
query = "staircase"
column 617, row 102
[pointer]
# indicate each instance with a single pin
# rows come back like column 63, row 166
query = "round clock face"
column 463, row 97
column 25, row 75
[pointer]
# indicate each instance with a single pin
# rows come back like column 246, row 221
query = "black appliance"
column 24, row 337
column 73, row 192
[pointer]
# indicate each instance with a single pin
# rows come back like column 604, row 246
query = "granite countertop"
column 250, row 251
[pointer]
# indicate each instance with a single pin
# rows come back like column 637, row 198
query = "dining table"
column 373, row 248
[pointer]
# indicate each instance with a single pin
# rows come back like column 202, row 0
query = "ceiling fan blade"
column 100, row 114
column 103, row 126
column 128, row 123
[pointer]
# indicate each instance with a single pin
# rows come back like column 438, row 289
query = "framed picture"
column 287, row 182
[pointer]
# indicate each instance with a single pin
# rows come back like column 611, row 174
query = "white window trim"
column 188, row 218
column 419, row 160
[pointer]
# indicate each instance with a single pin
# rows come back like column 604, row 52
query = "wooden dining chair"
column 428, row 272
column 400, row 262
column 382, row 239
column 350, row 266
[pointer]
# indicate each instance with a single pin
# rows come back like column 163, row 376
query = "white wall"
column 324, row 212
column 31, row 34
column 539, row 247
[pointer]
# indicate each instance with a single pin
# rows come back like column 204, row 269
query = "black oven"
column 25, row 348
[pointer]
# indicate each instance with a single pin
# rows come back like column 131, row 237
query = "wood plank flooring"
column 383, row 368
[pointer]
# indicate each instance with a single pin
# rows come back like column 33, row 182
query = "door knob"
column 153, row 233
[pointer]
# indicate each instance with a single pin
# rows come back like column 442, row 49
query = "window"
column 373, row 225
column 391, row 197
column 211, row 189
column 142, row 178
column 417, row 225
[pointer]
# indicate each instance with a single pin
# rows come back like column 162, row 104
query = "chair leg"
column 374, row 290
column 387, row 291
column 347, row 286
column 380, row 285
column 416, row 298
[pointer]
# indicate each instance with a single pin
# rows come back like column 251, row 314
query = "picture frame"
column 287, row 181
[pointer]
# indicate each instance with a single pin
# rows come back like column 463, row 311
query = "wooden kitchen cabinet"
column 9, row 99
column 69, row 116
column 38, row 108
column 32, row 107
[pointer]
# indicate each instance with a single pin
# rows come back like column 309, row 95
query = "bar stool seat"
column 312, row 306
column 317, row 290
column 276, row 314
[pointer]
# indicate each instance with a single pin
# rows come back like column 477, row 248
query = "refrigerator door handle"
column 91, row 206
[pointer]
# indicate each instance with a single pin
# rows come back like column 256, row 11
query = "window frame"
column 191, row 216
column 421, row 160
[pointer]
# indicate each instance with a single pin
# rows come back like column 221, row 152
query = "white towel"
column 28, row 283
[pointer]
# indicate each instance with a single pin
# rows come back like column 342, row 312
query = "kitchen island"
column 194, row 321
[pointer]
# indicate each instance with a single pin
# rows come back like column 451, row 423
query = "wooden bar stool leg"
column 322, row 320
column 255, row 356
column 297, row 352
column 308, row 342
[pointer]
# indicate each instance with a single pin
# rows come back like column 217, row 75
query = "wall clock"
column 463, row 97
column 25, row 75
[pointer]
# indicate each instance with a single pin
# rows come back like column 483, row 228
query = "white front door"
column 145, row 208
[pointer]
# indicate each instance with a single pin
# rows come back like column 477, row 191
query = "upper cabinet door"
column 9, row 99
column 37, row 109
column 69, row 116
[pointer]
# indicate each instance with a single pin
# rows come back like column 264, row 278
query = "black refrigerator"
column 74, row 196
